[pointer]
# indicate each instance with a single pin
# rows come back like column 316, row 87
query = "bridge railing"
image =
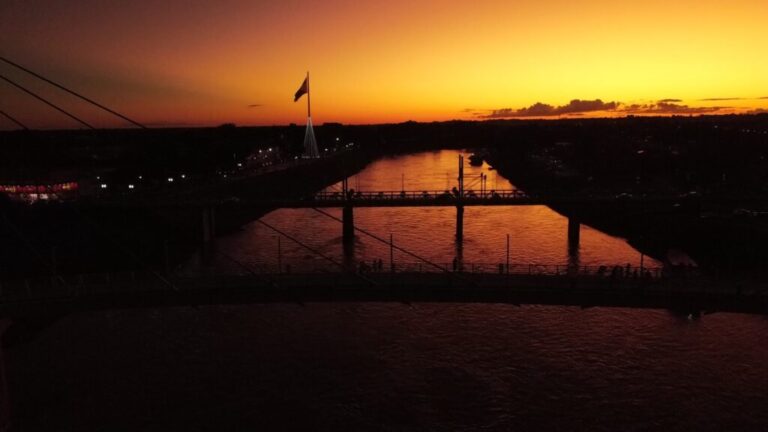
column 417, row 195
column 381, row 266
column 68, row 286
column 516, row 269
column 65, row 286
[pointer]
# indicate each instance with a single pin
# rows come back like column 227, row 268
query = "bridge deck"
column 431, row 198
column 683, row 294
column 470, row 198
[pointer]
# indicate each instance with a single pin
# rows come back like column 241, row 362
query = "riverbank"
column 721, row 241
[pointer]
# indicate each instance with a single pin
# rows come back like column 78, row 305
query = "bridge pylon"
column 459, row 223
column 574, row 232
column 348, row 222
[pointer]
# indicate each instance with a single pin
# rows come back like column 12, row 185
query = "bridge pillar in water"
column 574, row 232
column 348, row 226
column 5, row 397
column 208, row 245
column 459, row 223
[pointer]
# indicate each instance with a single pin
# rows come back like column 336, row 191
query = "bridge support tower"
column 348, row 228
column 459, row 223
column 574, row 232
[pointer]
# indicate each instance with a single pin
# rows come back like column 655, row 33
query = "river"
column 393, row 366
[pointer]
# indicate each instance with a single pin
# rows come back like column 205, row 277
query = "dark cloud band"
column 579, row 107
column 576, row 106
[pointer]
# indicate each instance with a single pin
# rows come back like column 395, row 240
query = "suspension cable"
column 311, row 249
column 8, row 116
column 40, row 98
column 72, row 92
column 302, row 244
column 386, row 242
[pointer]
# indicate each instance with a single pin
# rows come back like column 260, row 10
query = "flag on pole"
column 302, row 90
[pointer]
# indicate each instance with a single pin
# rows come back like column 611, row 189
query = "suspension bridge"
column 327, row 279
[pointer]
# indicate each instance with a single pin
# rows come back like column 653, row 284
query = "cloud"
column 578, row 107
column 758, row 111
column 574, row 107
column 722, row 99
column 255, row 105
column 764, row 97
column 662, row 107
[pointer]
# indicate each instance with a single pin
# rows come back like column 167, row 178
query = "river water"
column 392, row 366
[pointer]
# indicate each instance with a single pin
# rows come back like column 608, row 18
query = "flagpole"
column 309, row 112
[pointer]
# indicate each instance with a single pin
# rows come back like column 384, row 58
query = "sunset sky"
column 198, row 63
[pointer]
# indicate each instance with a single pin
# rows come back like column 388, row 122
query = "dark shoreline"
column 722, row 245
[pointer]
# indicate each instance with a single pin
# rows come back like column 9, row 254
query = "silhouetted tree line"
column 680, row 153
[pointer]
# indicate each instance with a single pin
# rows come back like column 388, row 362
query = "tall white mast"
column 310, row 144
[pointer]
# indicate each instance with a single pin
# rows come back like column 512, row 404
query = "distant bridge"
column 348, row 199
column 445, row 198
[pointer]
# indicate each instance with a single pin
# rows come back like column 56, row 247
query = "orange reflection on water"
column 538, row 235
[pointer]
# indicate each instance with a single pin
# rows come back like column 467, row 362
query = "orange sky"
column 193, row 62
